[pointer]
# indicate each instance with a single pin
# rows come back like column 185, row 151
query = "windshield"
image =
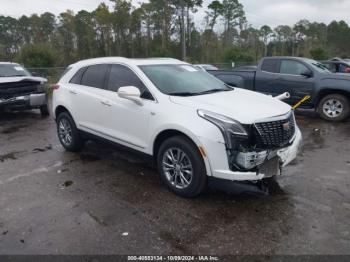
column 183, row 80
column 317, row 66
column 10, row 70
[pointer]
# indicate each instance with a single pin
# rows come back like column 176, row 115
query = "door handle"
column 73, row 92
column 106, row 103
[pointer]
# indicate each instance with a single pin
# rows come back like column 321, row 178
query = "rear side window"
column 270, row 65
column 94, row 76
column 123, row 76
column 76, row 79
column 291, row 67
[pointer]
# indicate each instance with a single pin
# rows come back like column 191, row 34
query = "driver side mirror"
column 307, row 73
column 131, row 93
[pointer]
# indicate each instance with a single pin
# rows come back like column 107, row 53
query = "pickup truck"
column 19, row 90
column 330, row 93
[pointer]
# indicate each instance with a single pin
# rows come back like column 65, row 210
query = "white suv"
column 193, row 125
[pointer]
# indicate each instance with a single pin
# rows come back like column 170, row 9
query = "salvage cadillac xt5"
column 21, row 91
column 193, row 126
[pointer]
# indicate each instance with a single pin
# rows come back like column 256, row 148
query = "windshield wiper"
column 213, row 91
column 200, row 93
column 182, row 94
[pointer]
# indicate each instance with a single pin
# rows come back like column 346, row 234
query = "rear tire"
column 68, row 134
column 44, row 110
column 334, row 107
column 181, row 167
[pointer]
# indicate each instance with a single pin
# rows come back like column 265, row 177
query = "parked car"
column 20, row 91
column 338, row 66
column 205, row 67
column 193, row 126
column 330, row 93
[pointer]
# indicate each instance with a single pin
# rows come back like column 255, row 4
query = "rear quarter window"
column 76, row 79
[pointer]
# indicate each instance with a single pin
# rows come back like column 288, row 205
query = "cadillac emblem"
column 286, row 126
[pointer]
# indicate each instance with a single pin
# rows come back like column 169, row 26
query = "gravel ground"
column 106, row 201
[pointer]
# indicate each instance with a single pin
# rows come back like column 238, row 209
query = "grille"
column 9, row 90
column 275, row 134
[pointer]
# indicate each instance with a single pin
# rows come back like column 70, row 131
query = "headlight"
column 228, row 127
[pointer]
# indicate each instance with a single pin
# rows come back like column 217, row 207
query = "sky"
column 259, row 12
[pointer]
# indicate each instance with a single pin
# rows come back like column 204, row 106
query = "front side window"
column 11, row 70
column 94, row 76
column 292, row 67
column 123, row 76
column 183, row 80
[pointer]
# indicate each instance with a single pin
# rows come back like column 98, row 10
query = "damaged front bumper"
column 269, row 164
column 25, row 101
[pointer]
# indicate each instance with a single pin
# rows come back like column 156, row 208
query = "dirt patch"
column 8, row 156
column 12, row 129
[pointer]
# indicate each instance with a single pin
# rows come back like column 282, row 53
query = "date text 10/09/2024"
column 173, row 258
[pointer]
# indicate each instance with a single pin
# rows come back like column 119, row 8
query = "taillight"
column 55, row 87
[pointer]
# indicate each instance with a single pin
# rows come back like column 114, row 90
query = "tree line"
column 163, row 28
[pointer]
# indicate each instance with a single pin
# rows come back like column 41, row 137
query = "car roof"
column 129, row 61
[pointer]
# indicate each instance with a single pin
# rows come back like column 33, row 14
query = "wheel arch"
column 60, row 109
column 171, row 132
column 329, row 91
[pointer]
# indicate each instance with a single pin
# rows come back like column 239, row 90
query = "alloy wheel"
column 65, row 132
column 177, row 168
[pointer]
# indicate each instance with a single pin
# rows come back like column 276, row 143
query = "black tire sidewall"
column 344, row 101
column 76, row 140
column 199, row 179
column 44, row 110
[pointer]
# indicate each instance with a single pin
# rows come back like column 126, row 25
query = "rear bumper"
column 269, row 169
column 26, row 101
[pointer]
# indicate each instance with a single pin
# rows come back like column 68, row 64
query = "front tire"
column 181, row 167
column 334, row 107
column 68, row 133
column 44, row 110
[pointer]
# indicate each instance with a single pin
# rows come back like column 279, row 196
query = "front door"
column 290, row 79
column 126, row 121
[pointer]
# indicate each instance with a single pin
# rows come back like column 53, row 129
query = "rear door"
column 266, row 76
column 86, row 90
column 289, row 79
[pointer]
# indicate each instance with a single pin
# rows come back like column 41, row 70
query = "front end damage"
column 23, row 93
column 271, row 145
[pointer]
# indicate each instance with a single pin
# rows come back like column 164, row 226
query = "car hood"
column 22, row 79
column 245, row 106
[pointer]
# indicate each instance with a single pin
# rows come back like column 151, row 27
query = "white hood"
column 242, row 105
column 22, row 78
